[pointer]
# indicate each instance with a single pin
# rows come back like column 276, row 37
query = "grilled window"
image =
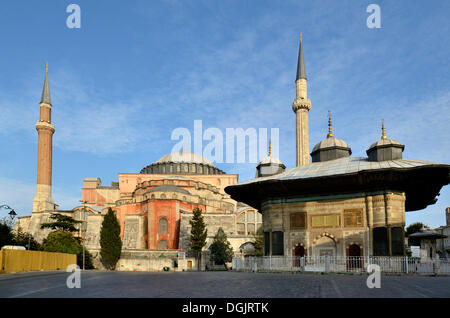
column 298, row 221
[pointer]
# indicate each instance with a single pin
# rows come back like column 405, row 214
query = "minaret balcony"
column 301, row 104
column 42, row 125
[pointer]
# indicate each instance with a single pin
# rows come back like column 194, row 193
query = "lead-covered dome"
column 182, row 163
column 269, row 165
column 330, row 148
column 385, row 148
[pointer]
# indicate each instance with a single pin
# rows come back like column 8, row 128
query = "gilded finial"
column 300, row 37
column 46, row 67
column 270, row 148
column 383, row 130
column 330, row 133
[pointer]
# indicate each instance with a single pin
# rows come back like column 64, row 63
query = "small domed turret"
column 269, row 166
column 385, row 148
column 330, row 148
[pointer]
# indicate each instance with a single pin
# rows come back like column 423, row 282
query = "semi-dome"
column 330, row 148
column 182, row 163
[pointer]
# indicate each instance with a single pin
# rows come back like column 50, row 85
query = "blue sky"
column 136, row 70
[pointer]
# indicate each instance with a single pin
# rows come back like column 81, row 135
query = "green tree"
column 24, row 239
column 61, row 242
column 221, row 250
column 6, row 235
column 110, row 241
column 259, row 243
column 61, row 223
column 413, row 228
column 64, row 242
column 198, row 234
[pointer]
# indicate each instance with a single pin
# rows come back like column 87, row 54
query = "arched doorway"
column 325, row 245
column 354, row 250
column 354, row 257
column 299, row 252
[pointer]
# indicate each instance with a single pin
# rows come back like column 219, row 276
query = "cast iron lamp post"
column 12, row 213
column 83, row 228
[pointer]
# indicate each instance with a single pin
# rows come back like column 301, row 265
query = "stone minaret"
column 301, row 107
column 43, row 200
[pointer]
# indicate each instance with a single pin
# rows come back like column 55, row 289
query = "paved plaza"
column 217, row 284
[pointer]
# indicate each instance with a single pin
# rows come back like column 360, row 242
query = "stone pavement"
column 217, row 285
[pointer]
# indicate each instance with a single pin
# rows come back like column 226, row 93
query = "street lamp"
column 83, row 228
column 12, row 213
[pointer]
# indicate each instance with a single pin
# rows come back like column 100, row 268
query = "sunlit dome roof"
column 330, row 142
column 271, row 160
column 184, row 157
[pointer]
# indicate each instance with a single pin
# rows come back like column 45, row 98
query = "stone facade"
column 333, row 224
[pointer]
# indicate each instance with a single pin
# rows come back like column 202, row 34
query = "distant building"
column 443, row 244
column 153, row 207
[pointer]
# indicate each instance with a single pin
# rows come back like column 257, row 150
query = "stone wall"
column 325, row 229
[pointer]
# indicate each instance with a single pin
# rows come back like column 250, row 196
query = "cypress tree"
column 110, row 241
column 259, row 243
column 198, row 234
column 221, row 250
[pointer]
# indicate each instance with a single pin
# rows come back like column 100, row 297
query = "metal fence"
column 388, row 264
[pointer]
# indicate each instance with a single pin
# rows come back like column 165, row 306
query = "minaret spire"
column 301, row 107
column 46, row 89
column 301, row 69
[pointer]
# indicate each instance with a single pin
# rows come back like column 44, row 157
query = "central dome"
column 182, row 163
column 187, row 157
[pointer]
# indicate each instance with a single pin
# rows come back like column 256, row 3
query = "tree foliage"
column 221, row 250
column 61, row 242
column 198, row 234
column 22, row 238
column 110, row 241
column 259, row 243
column 64, row 242
column 411, row 229
column 61, row 223
column 6, row 235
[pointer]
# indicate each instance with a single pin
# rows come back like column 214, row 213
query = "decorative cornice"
column 43, row 104
column 42, row 125
column 301, row 103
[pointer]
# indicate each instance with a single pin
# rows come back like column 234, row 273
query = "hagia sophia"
column 336, row 205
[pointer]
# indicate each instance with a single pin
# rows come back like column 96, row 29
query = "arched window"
column 163, row 245
column 248, row 222
column 163, row 226
column 163, row 196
